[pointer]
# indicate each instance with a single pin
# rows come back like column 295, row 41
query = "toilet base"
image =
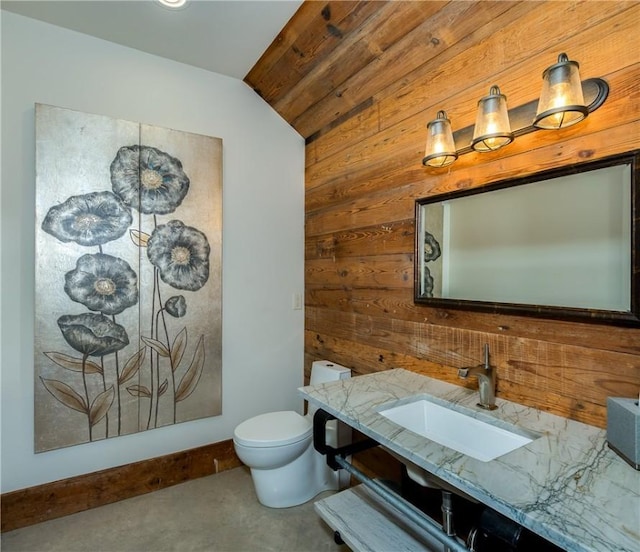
column 295, row 483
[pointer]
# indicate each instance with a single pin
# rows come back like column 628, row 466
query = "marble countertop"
column 566, row 485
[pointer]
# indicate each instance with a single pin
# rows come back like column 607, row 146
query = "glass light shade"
column 492, row 130
column 561, row 102
column 441, row 149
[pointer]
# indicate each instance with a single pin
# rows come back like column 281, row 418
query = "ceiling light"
column 173, row 4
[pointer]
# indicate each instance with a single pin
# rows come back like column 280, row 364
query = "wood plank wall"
column 365, row 141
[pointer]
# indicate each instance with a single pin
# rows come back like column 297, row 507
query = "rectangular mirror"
column 558, row 244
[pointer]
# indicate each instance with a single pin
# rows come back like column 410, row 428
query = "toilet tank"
column 323, row 371
column 336, row 434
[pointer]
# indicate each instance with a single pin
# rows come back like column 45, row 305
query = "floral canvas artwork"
column 429, row 264
column 128, row 326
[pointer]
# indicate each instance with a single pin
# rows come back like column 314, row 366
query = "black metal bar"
column 320, row 419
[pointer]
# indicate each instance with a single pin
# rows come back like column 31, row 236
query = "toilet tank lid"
column 273, row 429
column 324, row 371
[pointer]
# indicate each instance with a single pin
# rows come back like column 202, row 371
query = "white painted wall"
column 263, row 233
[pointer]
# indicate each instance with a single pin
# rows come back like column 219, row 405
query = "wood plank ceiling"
column 332, row 58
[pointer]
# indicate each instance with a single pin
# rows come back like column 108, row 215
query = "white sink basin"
column 476, row 438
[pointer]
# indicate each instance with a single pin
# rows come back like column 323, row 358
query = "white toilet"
column 278, row 448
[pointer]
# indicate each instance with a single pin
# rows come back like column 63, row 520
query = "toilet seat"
column 273, row 429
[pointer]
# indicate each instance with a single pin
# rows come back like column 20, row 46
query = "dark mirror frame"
column 600, row 316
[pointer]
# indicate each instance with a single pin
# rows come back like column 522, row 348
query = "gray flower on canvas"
column 431, row 247
column 89, row 219
column 176, row 306
column 181, row 255
column 148, row 179
column 427, row 283
column 93, row 334
column 102, row 283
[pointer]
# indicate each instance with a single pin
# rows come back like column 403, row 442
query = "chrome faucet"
column 486, row 380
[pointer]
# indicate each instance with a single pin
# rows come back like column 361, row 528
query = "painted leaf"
column 139, row 238
column 177, row 350
column 132, row 366
column 163, row 388
column 156, row 346
column 65, row 394
column 192, row 376
column 74, row 363
column 101, row 405
column 139, row 391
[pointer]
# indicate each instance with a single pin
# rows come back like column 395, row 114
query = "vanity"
column 559, row 478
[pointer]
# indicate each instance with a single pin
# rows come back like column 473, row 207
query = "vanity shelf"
column 367, row 523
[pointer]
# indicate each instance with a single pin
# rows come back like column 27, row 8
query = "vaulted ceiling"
column 332, row 58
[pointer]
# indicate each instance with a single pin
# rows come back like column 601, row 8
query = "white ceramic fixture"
column 278, row 448
column 476, row 438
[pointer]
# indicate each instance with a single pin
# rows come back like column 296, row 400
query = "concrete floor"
column 215, row 513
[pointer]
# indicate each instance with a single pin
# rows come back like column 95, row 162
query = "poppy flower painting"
column 88, row 219
column 181, row 255
column 102, row 283
column 149, row 180
column 128, row 277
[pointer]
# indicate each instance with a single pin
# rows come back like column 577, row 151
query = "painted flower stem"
column 86, row 392
column 118, row 404
column 152, row 386
column 156, row 337
column 171, row 366
column 104, row 388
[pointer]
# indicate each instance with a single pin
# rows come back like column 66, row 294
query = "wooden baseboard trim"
column 60, row 498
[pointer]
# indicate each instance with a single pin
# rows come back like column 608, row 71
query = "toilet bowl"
column 278, row 449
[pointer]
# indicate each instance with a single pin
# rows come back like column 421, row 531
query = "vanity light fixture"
column 441, row 149
column 492, row 130
column 561, row 102
column 564, row 101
